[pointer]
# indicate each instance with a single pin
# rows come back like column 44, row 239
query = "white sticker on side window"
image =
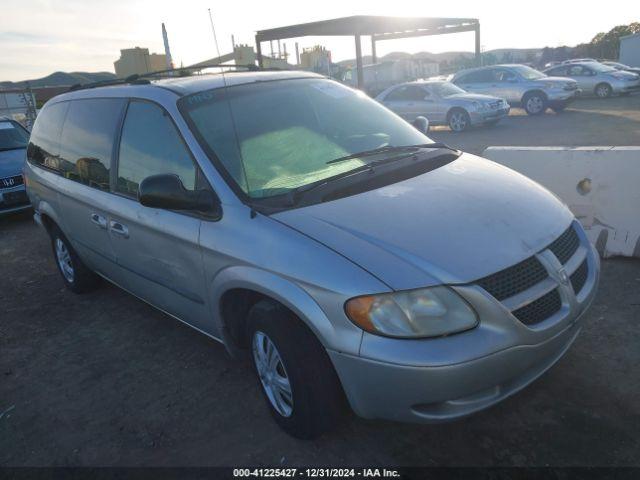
column 6, row 126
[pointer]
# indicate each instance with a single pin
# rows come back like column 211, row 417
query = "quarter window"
column 151, row 145
column 86, row 143
column 44, row 143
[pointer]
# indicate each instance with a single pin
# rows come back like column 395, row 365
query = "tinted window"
column 12, row 136
column 86, row 143
column 558, row 71
column 44, row 142
column 479, row 76
column 579, row 71
column 406, row 93
column 151, row 145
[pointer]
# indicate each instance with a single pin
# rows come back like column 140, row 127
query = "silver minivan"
column 357, row 263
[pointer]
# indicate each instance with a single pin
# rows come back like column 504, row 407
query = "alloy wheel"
column 458, row 122
column 535, row 104
column 273, row 375
column 64, row 260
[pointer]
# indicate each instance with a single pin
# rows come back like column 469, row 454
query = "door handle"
column 119, row 229
column 99, row 220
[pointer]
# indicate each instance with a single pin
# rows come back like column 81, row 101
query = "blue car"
column 13, row 145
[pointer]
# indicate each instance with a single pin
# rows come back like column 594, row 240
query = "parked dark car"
column 13, row 144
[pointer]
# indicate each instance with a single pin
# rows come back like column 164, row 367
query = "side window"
column 479, row 76
column 44, row 144
column 86, row 143
column 406, row 93
column 558, row 72
column 151, row 145
column 504, row 75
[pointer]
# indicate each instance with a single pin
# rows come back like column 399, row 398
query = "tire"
column 302, row 391
column 534, row 103
column 458, row 120
column 603, row 90
column 75, row 274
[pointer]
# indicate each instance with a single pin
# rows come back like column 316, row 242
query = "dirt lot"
column 104, row 379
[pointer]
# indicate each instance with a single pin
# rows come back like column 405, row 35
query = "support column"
column 374, row 56
column 359, row 63
column 258, row 52
column 478, row 53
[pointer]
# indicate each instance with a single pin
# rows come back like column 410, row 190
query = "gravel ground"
column 104, row 379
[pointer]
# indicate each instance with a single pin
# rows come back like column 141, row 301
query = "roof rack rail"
column 143, row 78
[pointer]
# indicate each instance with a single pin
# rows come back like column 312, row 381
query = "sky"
column 38, row 37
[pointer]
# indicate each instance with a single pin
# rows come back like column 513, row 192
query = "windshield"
column 12, row 136
column 528, row 72
column 598, row 67
column 445, row 89
column 287, row 130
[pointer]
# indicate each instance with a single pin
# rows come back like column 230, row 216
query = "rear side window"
column 151, row 145
column 86, row 143
column 44, row 144
column 479, row 76
column 406, row 93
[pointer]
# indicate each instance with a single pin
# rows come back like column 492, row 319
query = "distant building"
column 137, row 61
column 317, row 59
column 381, row 75
column 630, row 50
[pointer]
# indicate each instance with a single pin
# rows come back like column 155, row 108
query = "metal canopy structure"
column 378, row 28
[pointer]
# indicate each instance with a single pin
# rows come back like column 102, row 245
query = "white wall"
column 601, row 185
column 630, row 51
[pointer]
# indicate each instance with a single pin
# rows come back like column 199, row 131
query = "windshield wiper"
column 389, row 148
column 294, row 195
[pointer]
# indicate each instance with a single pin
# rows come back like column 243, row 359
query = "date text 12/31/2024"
column 316, row 472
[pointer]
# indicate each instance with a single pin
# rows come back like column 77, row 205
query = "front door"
column 157, row 250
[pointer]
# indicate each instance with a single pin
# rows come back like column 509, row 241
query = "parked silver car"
column 597, row 79
column 520, row 86
column 622, row 66
column 443, row 103
column 13, row 145
column 353, row 259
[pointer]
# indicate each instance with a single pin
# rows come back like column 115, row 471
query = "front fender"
column 332, row 329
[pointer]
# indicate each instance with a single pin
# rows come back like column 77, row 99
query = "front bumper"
column 14, row 200
column 480, row 118
column 441, row 379
column 562, row 96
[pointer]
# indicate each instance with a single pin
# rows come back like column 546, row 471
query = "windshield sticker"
column 6, row 126
column 332, row 89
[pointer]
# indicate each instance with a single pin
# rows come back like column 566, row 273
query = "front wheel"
column 458, row 120
column 534, row 103
column 296, row 376
column 603, row 90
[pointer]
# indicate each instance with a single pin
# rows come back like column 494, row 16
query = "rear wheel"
column 534, row 103
column 603, row 90
column 458, row 120
column 296, row 377
column 75, row 274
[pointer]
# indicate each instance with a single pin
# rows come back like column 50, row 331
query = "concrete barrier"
column 601, row 186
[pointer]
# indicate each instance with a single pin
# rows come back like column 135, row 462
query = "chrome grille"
column 565, row 245
column 519, row 278
column 579, row 277
column 540, row 309
column 10, row 182
column 515, row 279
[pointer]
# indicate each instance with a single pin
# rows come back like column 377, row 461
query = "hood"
column 555, row 80
column 11, row 162
column 458, row 223
column 475, row 97
column 623, row 74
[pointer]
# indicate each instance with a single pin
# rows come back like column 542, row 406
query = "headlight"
column 426, row 312
column 479, row 106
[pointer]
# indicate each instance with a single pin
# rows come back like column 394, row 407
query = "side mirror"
column 421, row 124
column 166, row 191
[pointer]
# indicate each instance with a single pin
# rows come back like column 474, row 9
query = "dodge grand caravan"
column 359, row 264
